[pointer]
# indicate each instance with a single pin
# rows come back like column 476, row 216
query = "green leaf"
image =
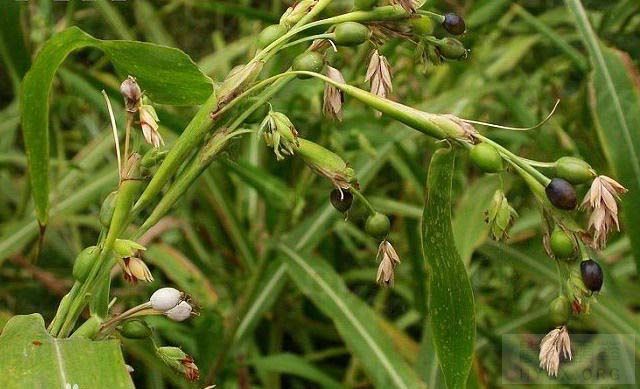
column 295, row 365
column 31, row 358
column 167, row 75
column 615, row 101
column 451, row 307
column 13, row 50
column 356, row 322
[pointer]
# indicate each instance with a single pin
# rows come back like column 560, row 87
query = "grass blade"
column 451, row 306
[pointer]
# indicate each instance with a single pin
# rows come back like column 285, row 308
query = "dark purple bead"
column 454, row 24
column 561, row 194
column 341, row 199
column 591, row 275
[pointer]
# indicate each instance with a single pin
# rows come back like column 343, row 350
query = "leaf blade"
column 451, row 305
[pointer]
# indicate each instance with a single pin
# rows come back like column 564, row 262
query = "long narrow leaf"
column 451, row 306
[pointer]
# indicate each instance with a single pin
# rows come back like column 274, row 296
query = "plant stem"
column 364, row 200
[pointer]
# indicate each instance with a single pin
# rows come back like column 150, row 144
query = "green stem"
column 364, row 200
column 309, row 38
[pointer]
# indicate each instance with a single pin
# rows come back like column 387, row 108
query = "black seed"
column 341, row 199
column 561, row 194
column 591, row 275
column 454, row 24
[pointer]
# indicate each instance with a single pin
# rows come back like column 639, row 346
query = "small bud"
column 84, row 262
column 351, row 34
column 180, row 312
column 562, row 244
column 454, row 24
column 561, row 194
column 179, row 361
column 389, row 259
column 106, row 210
column 422, row 25
column 451, row 48
column 131, row 92
column 500, row 216
column 333, row 97
column 379, row 75
column 486, row 157
column 309, row 61
column 135, row 329
column 127, row 248
column 164, row 299
column 270, row 34
column 574, row 170
column 136, row 270
column 378, row 225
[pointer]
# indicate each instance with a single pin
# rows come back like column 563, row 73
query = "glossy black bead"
column 341, row 199
column 561, row 194
column 591, row 275
column 454, row 24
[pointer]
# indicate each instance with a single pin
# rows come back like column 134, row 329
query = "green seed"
column 339, row 7
column 574, row 170
column 270, row 34
column 561, row 244
column 310, row 61
column 351, row 34
column 378, row 225
column 451, row 48
column 84, row 262
column 559, row 310
column 486, row 157
column 422, row 25
column 106, row 211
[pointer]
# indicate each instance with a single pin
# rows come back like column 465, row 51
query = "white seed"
column 180, row 312
column 165, row 298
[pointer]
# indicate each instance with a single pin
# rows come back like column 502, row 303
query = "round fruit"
column 135, row 329
column 454, row 24
column 351, row 34
column 341, row 199
column 451, row 48
column 486, row 157
column 561, row 244
column 84, row 262
column 339, row 7
column 258, row 114
column 365, row 4
column 559, row 310
column 270, row 34
column 422, row 25
column 591, row 275
column 574, row 170
column 561, row 194
column 106, row 211
column 310, row 61
column 378, row 225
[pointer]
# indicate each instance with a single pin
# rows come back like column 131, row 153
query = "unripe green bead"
column 135, row 329
column 486, row 157
column 378, row 225
column 106, row 211
column 84, row 262
column 339, row 7
column 451, row 48
column 574, row 170
column 365, row 4
column 351, row 34
column 310, row 61
column 422, row 25
column 561, row 244
column 270, row 34
column 559, row 311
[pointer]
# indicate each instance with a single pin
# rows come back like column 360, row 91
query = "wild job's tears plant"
column 153, row 177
